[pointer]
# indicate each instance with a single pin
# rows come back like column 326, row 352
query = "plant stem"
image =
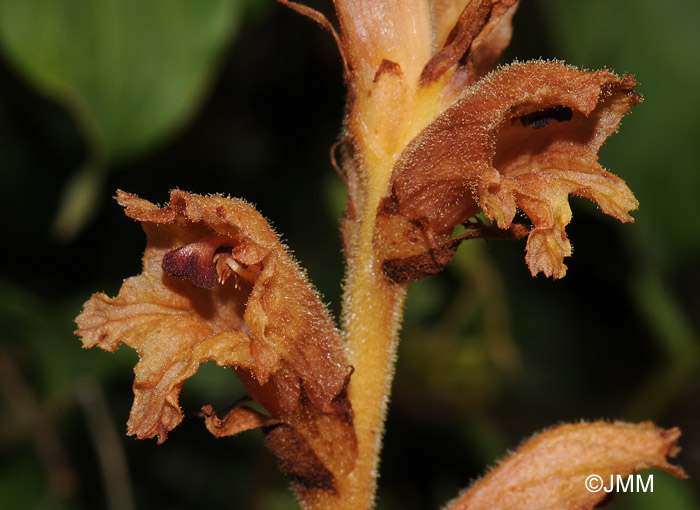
column 378, row 128
column 372, row 310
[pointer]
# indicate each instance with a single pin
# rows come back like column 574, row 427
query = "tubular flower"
column 553, row 470
column 434, row 139
column 218, row 285
column 525, row 137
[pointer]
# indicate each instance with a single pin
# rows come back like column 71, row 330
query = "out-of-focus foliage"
column 129, row 72
column 489, row 355
column 659, row 43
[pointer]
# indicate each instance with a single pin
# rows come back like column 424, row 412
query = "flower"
column 433, row 138
column 524, row 137
column 553, row 470
column 218, row 285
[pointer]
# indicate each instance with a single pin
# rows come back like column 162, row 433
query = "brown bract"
column 217, row 285
column 523, row 138
column 549, row 471
column 478, row 37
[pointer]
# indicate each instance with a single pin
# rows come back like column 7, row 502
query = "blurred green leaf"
column 21, row 484
column 657, row 154
column 78, row 200
column 130, row 71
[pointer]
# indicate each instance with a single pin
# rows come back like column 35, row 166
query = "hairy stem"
column 373, row 305
column 373, row 309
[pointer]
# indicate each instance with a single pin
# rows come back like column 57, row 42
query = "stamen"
column 249, row 273
column 226, row 266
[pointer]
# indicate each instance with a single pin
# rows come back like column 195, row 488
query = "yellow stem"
column 373, row 309
column 385, row 117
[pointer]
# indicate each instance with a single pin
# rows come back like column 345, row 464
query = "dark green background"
column 245, row 98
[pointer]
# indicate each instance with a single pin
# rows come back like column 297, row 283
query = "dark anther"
column 542, row 118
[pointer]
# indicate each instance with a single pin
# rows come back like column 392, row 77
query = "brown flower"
column 433, row 140
column 218, row 285
column 523, row 138
column 549, row 472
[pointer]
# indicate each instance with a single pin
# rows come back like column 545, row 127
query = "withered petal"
column 476, row 39
column 297, row 459
column 524, row 137
column 295, row 456
column 171, row 340
column 445, row 16
column 470, row 23
column 493, row 39
column 428, row 263
column 549, row 471
column 238, row 420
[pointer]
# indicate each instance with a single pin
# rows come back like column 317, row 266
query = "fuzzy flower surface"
column 436, row 138
column 435, row 141
column 217, row 285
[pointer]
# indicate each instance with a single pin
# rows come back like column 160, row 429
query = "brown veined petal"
column 549, row 471
column 479, row 31
column 547, row 244
column 257, row 313
column 445, row 16
column 171, row 343
column 490, row 43
column 524, row 137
